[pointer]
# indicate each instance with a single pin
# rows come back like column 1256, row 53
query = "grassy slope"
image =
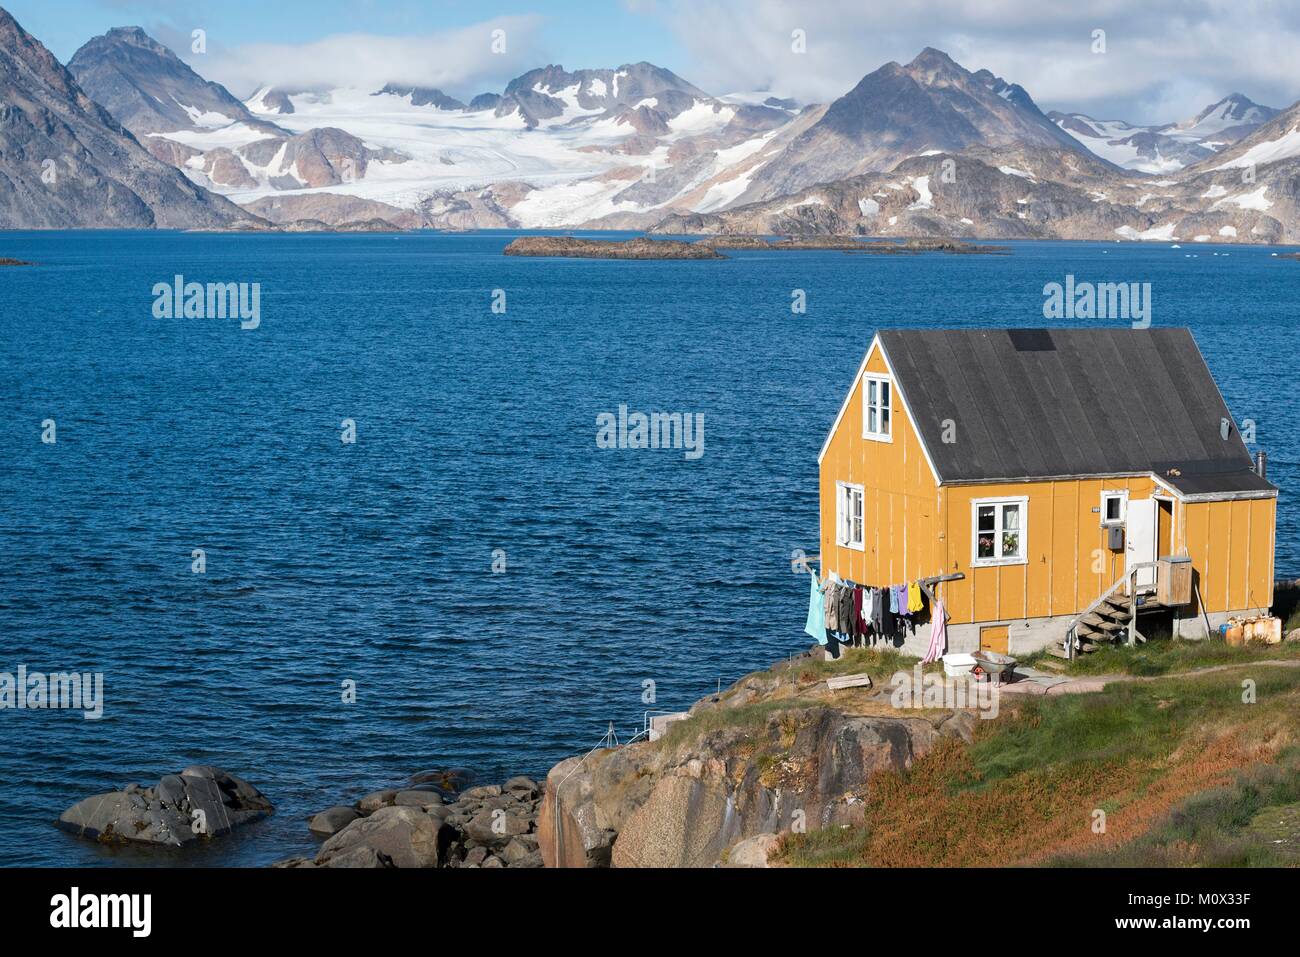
column 1185, row 771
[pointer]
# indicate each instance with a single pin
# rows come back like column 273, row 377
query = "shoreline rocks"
column 198, row 804
column 433, row 821
column 719, row 792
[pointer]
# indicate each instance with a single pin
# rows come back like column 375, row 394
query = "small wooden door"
column 994, row 638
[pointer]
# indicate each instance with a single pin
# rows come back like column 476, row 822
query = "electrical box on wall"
column 1115, row 538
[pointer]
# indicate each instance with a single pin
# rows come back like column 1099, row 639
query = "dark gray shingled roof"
column 1038, row 403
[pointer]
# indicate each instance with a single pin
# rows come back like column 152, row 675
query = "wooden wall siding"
column 901, row 501
column 915, row 528
column 1231, row 547
column 1064, row 540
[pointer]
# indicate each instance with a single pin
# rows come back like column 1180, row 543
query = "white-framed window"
column 877, row 407
column 999, row 529
column 848, row 515
column 1114, row 507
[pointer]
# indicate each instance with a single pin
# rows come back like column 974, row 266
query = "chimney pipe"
column 1261, row 464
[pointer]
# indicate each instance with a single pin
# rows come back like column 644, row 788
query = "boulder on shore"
column 427, row 825
column 200, row 803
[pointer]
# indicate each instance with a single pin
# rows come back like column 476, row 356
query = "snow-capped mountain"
column 897, row 111
column 636, row 147
column 1242, row 193
column 1170, row 146
column 201, row 128
column 148, row 89
column 66, row 162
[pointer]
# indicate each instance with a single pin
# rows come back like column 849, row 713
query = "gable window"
column 877, row 406
column 848, row 515
column 999, row 530
column 1114, row 507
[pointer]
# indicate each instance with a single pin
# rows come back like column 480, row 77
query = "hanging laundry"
column 860, row 623
column 893, row 599
column 915, row 601
column 888, row 620
column 845, row 616
column 816, row 626
column 938, row 634
column 831, row 604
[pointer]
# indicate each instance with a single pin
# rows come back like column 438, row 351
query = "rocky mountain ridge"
column 66, row 162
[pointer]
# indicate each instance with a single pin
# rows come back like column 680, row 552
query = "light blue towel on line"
column 816, row 626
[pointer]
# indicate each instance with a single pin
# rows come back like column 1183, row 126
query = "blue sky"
column 575, row 34
column 1164, row 59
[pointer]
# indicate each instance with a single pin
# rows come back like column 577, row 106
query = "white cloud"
column 1164, row 59
column 460, row 60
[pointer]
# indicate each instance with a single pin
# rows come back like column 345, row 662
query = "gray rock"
column 198, row 804
column 373, row 802
column 406, row 836
column 420, row 799
column 522, row 786
column 360, row 855
column 493, row 862
column 520, row 850
column 495, row 828
column 207, row 810
column 332, row 820
column 753, row 851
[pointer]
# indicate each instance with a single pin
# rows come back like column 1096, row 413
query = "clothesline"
column 841, row 611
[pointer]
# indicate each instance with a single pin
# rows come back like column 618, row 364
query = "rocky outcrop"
column 711, row 784
column 200, row 803
column 148, row 89
column 67, row 163
column 429, row 824
column 569, row 246
column 331, row 209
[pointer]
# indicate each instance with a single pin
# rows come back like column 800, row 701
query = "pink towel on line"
column 938, row 633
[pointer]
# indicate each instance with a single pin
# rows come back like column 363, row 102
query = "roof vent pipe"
column 1261, row 464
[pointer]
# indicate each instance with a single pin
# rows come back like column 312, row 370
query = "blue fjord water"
column 476, row 431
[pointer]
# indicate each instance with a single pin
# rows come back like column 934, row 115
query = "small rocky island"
column 200, row 803
column 639, row 248
column 644, row 248
column 12, row 262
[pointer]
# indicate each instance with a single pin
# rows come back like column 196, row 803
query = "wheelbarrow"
column 994, row 665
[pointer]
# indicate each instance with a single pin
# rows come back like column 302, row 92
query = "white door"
column 1140, row 538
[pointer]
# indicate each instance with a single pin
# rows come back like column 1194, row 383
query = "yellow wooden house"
column 1050, row 483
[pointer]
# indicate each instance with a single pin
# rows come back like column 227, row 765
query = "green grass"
column 749, row 717
column 826, row 847
column 1155, row 658
column 880, row 663
column 1128, row 720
